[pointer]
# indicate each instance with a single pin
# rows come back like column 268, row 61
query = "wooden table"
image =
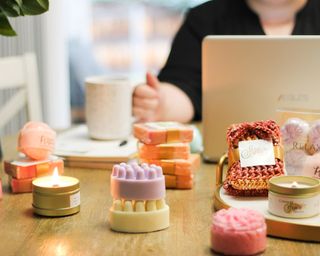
column 88, row 232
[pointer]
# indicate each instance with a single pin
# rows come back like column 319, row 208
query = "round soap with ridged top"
column 36, row 140
column 238, row 232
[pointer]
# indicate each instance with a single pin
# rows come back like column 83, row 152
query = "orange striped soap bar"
column 165, row 151
column 176, row 166
column 154, row 133
column 179, row 181
column 25, row 168
column 20, row 186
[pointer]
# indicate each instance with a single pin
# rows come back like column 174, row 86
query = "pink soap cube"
column 20, row 186
column 238, row 232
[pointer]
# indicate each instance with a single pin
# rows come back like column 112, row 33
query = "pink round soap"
column 36, row 140
column 238, row 232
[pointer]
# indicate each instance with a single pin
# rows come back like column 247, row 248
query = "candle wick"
column 294, row 184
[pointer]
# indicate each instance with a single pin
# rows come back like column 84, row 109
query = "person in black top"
column 176, row 94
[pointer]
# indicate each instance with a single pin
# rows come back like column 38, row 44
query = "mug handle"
column 219, row 169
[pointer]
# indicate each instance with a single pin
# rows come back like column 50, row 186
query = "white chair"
column 20, row 72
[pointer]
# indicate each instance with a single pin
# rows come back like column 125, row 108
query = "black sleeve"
column 183, row 67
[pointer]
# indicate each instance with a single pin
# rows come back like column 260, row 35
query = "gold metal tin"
column 294, row 202
column 275, row 188
column 62, row 200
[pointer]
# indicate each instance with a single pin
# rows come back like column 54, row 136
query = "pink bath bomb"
column 238, row 232
column 314, row 138
column 295, row 157
column 294, row 133
column 36, row 140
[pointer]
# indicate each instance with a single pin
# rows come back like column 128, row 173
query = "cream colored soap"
column 139, row 204
column 140, row 216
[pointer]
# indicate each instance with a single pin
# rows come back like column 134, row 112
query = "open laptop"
column 244, row 77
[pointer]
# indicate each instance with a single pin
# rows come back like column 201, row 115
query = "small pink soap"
column 238, row 232
column 36, row 140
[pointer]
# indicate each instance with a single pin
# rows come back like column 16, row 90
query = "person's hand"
column 147, row 99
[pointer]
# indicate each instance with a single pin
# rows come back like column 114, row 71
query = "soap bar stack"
column 167, row 144
column 138, row 199
column 22, row 171
column 36, row 141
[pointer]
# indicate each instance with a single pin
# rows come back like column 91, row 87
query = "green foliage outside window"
column 15, row 8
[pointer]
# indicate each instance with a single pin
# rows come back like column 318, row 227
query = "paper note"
column 256, row 152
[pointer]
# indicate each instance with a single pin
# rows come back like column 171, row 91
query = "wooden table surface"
column 88, row 232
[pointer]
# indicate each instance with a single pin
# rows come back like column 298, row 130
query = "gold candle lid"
column 313, row 185
column 46, row 184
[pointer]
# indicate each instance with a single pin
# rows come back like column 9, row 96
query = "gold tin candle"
column 56, row 195
column 294, row 196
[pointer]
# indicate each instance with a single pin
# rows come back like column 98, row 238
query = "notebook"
column 78, row 150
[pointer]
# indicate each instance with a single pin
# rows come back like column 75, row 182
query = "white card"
column 75, row 200
column 256, row 152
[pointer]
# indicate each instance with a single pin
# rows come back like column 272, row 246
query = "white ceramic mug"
column 108, row 107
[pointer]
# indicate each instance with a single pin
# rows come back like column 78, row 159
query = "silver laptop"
column 244, row 76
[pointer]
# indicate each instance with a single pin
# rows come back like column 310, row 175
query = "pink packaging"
column 36, row 140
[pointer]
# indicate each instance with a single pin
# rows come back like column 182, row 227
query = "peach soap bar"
column 154, row 133
column 238, row 232
column 134, row 182
column 25, row 168
column 36, row 140
column 179, row 182
column 20, row 186
column 139, row 216
column 177, row 166
column 165, row 151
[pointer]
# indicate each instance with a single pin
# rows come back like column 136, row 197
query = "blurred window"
column 119, row 37
column 135, row 36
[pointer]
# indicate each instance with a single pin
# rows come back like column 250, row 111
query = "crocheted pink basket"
column 252, row 181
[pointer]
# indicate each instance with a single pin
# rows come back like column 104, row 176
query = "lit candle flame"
column 55, row 177
column 294, row 184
